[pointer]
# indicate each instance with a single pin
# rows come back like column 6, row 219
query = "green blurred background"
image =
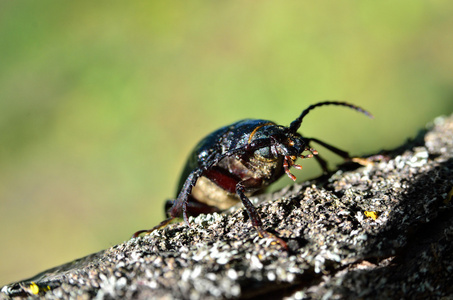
column 101, row 102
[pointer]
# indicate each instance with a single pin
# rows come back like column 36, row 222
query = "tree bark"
column 381, row 230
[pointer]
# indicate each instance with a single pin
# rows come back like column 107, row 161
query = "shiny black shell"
column 221, row 141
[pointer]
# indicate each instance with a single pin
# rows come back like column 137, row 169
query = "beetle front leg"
column 251, row 211
column 253, row 214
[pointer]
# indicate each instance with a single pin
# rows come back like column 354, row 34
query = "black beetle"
column 238, row 160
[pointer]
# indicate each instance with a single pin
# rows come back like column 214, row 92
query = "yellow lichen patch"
column 34, row 288
column 371, row 214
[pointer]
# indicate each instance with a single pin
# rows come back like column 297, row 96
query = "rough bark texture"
column 383, row 230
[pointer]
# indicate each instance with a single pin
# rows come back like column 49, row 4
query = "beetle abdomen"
column 208, row 192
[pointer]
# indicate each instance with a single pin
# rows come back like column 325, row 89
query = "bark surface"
column 383, row 230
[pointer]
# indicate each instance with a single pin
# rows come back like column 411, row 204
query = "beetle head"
column 273, row 142
column 279, row 141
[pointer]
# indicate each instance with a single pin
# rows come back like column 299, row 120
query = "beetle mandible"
column 238, row 160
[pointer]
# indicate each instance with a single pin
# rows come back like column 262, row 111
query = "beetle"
column 240, row 159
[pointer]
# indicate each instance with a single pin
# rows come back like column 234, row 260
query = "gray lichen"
column 383, row 230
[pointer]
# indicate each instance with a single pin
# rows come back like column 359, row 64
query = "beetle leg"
column 194, row 207
column 159, row 226
column 334, row 149
column 274, row 150
column 180, row 204
column 256, row 144
column 251, row 211
column 253, row 214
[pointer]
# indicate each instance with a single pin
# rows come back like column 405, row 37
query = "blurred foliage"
column 101, row 102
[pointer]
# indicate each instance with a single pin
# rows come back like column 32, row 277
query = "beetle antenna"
column 294, row 126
